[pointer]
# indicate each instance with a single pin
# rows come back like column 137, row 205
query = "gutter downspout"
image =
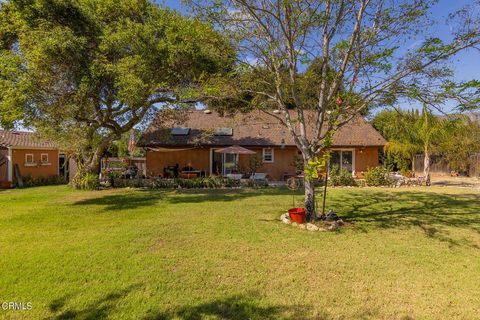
column 10, row 165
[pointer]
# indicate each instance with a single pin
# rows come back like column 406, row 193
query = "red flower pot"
column 297, row 215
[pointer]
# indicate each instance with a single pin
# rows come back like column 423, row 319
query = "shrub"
column 212, row 182
column 377, row 176
column 341, row 177
column 88, row 181
column 29, row 181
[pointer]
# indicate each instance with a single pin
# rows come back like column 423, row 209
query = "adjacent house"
column 189, row 146
column 21, row 154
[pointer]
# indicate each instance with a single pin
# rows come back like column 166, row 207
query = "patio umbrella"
column 235, row 150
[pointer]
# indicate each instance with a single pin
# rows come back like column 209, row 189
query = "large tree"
column 85, row 71
column 361, row 52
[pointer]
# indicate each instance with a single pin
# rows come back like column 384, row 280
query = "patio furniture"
column 189, row 174
column 287, row 176
column 258, row 176
column 171, row 171
column 234, row 176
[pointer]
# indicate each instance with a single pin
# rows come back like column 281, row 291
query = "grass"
column 133, row 254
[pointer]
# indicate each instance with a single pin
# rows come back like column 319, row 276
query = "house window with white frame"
column 268, row 155
column 44, row 158
column 29, row 159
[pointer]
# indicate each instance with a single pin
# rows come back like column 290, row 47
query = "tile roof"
column 22, row 139
column 252, row 129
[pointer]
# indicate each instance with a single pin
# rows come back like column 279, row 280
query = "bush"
column 88, row 181
column 211, row 182
column 341, row 177
column 377, row 176
column 29, row 181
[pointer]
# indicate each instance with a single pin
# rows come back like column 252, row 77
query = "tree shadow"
column 124, row 201
column 224, row 195
column 145, row 198
column 99, row 309
column 236, row 307
column 433, row 213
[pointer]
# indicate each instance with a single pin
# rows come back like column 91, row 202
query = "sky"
column 466, row 65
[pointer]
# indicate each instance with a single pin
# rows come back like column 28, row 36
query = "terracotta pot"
column 297, row 215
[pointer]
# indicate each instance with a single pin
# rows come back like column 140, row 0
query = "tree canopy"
column 84, row 72
column 409, row 132
column 319, row 63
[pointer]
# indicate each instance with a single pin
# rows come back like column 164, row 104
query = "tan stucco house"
column 184, row 144
column 21, row 153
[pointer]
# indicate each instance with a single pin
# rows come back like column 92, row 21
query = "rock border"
column 333, row 225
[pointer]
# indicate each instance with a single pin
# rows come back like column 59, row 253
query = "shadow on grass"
column 99, row 309
column 432, row 212
column 235, row 307
column 144, row 198
column 124, row 201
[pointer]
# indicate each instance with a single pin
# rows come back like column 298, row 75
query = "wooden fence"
column 438, row 165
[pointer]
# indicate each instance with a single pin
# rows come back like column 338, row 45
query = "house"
column 22, row 154
column 190, row 145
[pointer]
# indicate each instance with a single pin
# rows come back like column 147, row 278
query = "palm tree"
column 430, row 130
column 410, row 132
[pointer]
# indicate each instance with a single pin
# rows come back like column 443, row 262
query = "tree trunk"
column 89, row 162
column 93, row 165
column 413, row 165
column 426, row 166
column 309, row 190
column 309, row 200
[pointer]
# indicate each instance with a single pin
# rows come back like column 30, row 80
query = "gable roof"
column 251, row 129
column 22, row 139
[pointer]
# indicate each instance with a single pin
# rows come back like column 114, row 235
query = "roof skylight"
column 180, row 131
column 224, row 132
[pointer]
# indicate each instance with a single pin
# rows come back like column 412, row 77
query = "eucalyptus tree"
column 85, row 72
column 364, row 51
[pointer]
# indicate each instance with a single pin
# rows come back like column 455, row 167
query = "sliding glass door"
column 230, row 163
column 344, row 159
column 224, row 163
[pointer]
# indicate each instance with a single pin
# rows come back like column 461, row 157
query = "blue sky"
column 466, row 65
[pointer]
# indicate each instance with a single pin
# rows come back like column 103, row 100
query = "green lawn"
column 132, row 254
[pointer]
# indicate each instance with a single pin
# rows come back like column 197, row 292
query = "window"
column 44, row 158
column 343, row 159
column 268, row 155
column 29, row 159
